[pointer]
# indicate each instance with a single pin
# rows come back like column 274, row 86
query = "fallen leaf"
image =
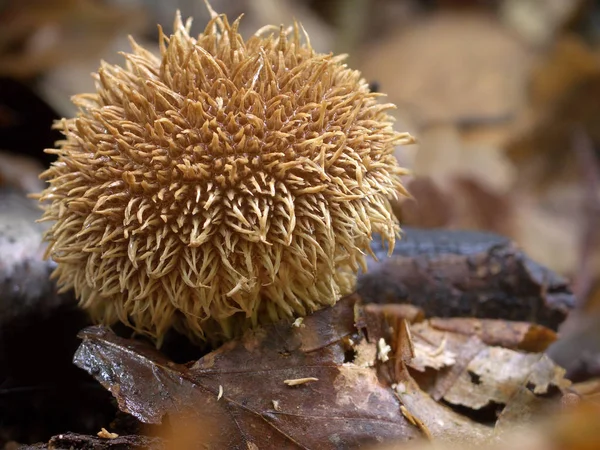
column 345, row 407
column 513, row 335
column 495, row 374
column 442, row 423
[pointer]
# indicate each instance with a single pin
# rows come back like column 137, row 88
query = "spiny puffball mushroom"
column 224, row 184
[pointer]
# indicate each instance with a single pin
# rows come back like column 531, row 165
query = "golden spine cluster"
column 223, row 184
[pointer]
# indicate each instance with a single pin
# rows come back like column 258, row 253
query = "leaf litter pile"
column 459, row 340
column 347, row 376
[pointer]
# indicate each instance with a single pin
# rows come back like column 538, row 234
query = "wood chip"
column 383, row 349
column 298, row 381
column 104, row 434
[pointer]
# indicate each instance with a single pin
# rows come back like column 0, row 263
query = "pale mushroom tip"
column 222, row 184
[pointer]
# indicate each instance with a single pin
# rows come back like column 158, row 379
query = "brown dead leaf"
column 495, row 375
column 460, row 369
column 442, row 423
column 348, row 406
column 569, row 62
column 513, row 335
column 564, row 89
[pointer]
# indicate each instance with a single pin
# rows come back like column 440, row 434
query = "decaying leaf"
column 478, row 375
column 345, row 407
column 441, row 422
column 515, row 335
column 495, row 374
column 75, row 441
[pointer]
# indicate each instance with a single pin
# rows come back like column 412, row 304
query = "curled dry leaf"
column 496, row 374
column 480, row 374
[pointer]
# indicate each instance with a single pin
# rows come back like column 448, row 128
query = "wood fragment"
column 383, row 349
column 105, row 434
column 466, row 274
column 416, row 422
column 298, row 381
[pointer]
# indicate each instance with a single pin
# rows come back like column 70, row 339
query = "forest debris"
column 365, row 354
column 74, row 441
column 443, row 424
column 513, row 335
column 427, row 355
column 466, row 274
column 299, row 381
column 383, row 350
column 355, row 400
column 495, row 375
column 105, row 434
column 416, row 422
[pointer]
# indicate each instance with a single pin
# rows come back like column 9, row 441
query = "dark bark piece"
column 74, row 441
column 25, row 287
column 466, row 274
column 41, row 392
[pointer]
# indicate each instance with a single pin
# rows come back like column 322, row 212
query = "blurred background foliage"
column 503, row 96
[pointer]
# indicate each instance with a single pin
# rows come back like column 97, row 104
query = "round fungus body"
column 221, row 184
